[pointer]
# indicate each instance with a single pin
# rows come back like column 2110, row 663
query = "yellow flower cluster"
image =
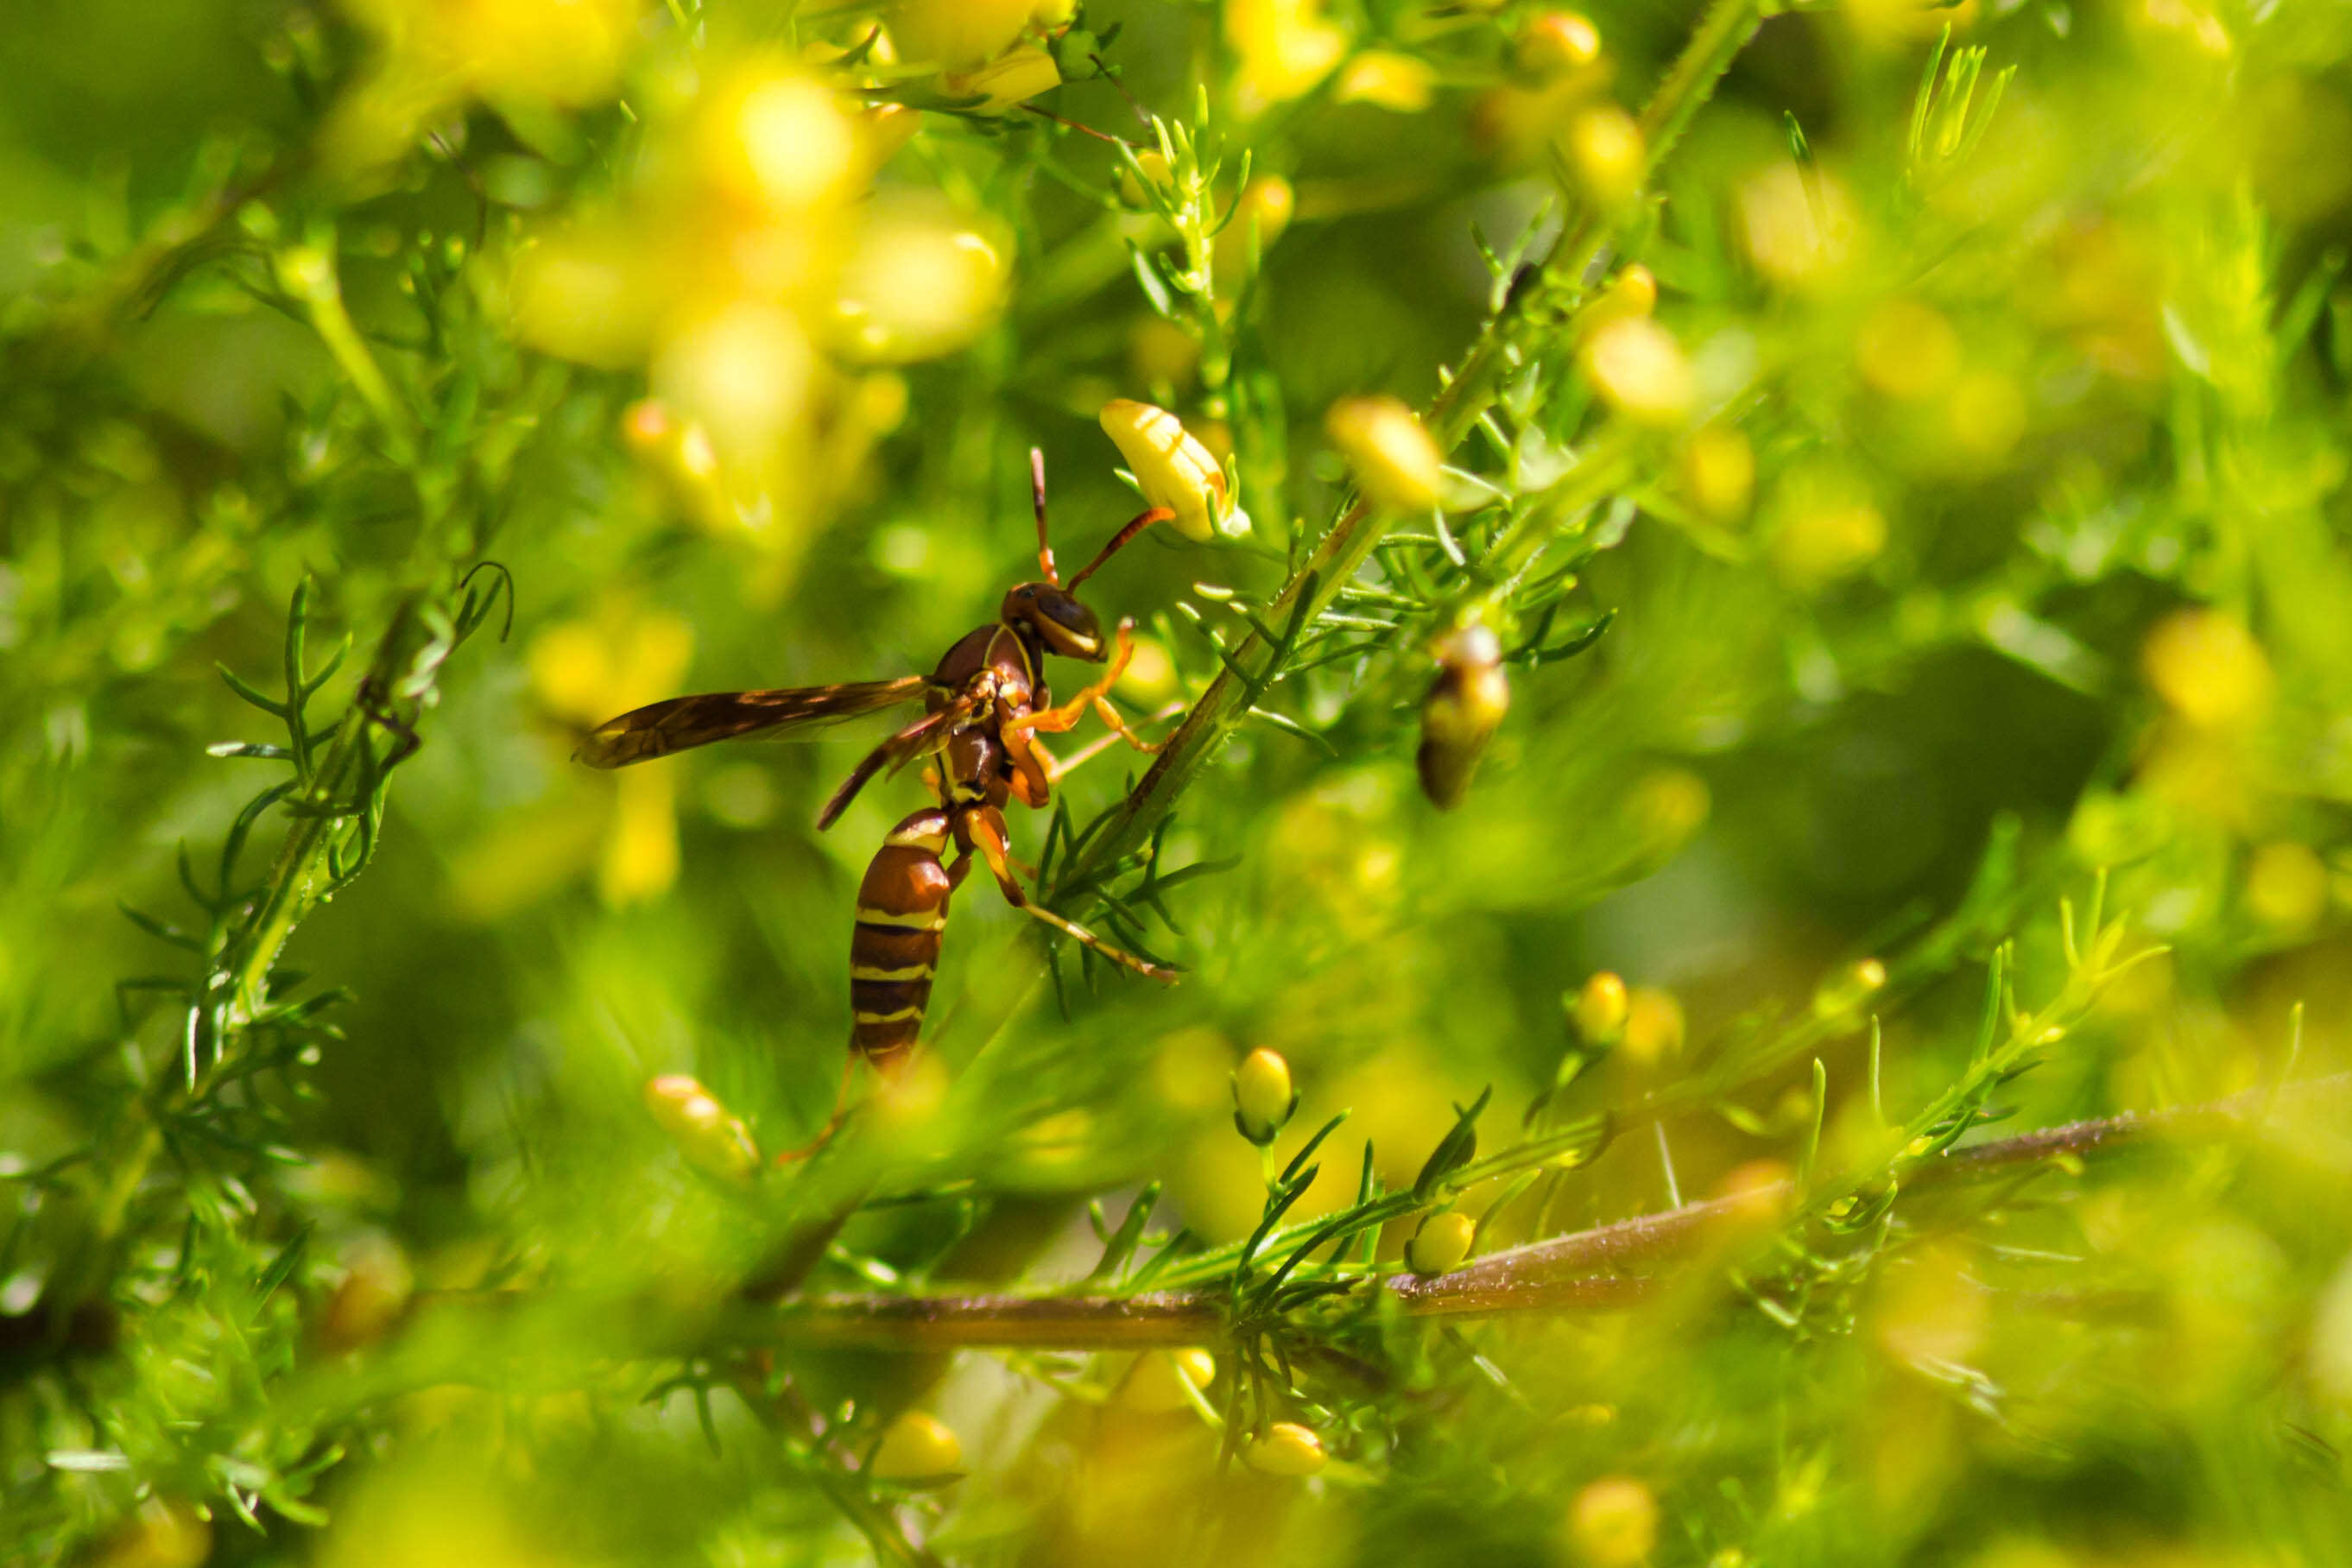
column 434, row 55
column 768, row 291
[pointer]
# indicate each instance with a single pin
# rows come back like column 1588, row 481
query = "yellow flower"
column 917, row 1448
column 1387, row 80
column 1718, row 473
column 1439, row 1245
column 1157, row 1383
column 1263, row 1097
column 1555, row 42
column 956, row 34
column 1613, row 1524
column 703, row 1130
column 2207, row 667
column 1284, row 47
column 1173, row 469
column 1601, row 1007
column 1606, row 152
column 1004, row 83
column 433, row 54
column 1286, row 1448
column 920, row 283
column 1639, row 370
column 1395, row 461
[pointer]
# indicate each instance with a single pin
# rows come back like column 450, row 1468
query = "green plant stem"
column 1594, row 1269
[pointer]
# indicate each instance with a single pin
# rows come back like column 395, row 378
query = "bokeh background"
column 1986, row 544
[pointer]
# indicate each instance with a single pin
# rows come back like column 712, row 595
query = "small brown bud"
column 1465, row 707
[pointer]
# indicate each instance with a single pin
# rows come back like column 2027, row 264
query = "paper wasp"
column 984, row 706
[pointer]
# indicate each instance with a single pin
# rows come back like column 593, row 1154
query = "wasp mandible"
column 984, row 707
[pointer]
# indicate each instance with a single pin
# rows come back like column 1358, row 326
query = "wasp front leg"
column 1065, row 717
column 982, row 828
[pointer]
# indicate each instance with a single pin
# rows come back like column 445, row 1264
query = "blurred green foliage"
column 1905, row 483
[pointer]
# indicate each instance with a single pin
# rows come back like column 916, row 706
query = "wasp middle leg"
column 982, row 828
column 1065, row 716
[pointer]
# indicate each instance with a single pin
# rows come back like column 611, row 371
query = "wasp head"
column 1061, row 623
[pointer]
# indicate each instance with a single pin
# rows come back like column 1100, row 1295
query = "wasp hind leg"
column 983, row 827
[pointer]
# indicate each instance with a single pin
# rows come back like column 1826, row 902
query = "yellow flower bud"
column 1001, row 84
column 1633, row 292
column 1653, row 1027
column 1439, row 1245
column 1263, row 1097
column 1156, row 1384
column 1286, row 1448
column 1173, row 469
column 1395, row 461
column 703, row 1130
column 1719, row 473
column 1613, row 1524
column 1459, row 716
column 1601, row 1007
column 1639, row 370
column 917, row 1448
column 2208, row 667
column 1154, row 165
column 1555, row 43
column 1400, row 83
column 956, row 34
column 1849, row 988
column 1605, row 152
column 2286, row 886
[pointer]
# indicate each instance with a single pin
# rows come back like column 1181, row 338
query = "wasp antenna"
column 1142, row 521
column 1038, row 498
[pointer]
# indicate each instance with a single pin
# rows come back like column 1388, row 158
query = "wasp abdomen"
column 902, row 908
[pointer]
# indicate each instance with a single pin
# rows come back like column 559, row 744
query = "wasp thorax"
column 1461, row 713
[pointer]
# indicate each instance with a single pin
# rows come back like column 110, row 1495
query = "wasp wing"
column 661, row 728
column 927, row 733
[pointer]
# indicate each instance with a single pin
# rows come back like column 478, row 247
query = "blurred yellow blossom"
column 1286, row 1448
column 1159, row 1380
column 1599, row 1006
column 1828, row 527
column 1553, row 42
column 433, row 55
column 1284, row 47
column 917, row 1446
column 920, row 283
column 1005, row 82
column 1388, row 80
column 1718, row 473
column 1906, row 349
column 2208, row 667
column 1798, row 225
column 1653, row 1028
column 1639, row 370
column 955, row 34
column 2286, row 886
column 1613, row 1524
column 1395, row 461
column 1606, row 154
column 585, row 671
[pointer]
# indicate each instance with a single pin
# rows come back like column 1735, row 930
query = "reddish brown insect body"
column 984, row 705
